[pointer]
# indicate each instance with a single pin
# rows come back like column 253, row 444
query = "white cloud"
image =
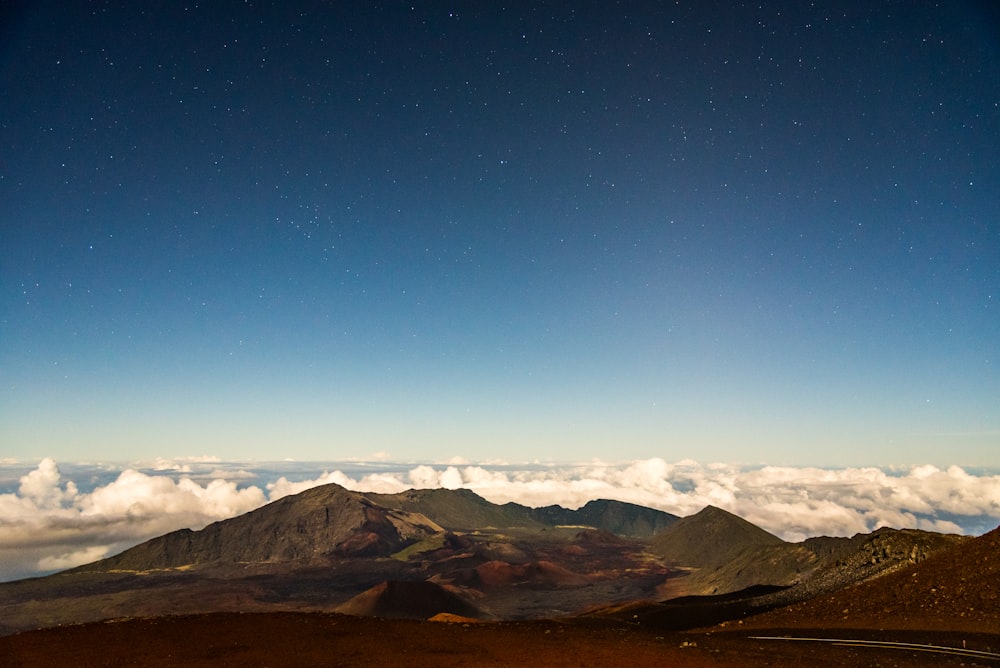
column 66, row 560
column 41, row 486
column 181, row 464
column 792, row 502
column 48, row 523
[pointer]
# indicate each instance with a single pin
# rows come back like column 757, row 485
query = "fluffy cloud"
column 792, row 502
column 49, row 524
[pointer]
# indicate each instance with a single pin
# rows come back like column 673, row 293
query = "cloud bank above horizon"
column 50, row 523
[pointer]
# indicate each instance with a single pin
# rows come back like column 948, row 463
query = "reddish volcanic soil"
column 320, row 639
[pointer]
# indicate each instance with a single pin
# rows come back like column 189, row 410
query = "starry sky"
column 748, row 232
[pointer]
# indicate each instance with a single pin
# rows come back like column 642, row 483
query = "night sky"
column 762, row 232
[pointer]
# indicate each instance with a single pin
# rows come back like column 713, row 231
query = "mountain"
column 460, row 509
column 726, row 554
column 329, row 547
column 946, row 602
column 320, row 522
column 711, row 538
column 331, row 521
column 617, row 517
column 464, row 510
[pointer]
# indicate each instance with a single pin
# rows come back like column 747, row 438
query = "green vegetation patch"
column 434, row 542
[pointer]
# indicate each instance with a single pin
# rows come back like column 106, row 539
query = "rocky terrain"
column 332, row 577
column 941, row 611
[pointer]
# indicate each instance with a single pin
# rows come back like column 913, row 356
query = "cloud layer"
column 48, row 523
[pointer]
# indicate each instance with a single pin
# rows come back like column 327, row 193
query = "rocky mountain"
column 330, row 521
column 617, row 517
column 460, row 509
column 711, row 538
column 320, row 522
column 725, row 553
column 461, row 555
column 464, row 510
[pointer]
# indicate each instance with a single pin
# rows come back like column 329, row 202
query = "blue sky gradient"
column 268, row 230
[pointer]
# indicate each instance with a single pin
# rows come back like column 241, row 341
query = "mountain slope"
column 464, row 510
column 318, row 549
column 459, row 509
column 710, row 538
column 953, row 589
column 617, row 517
column 332, row 521
column 728, row 553
column 326, row 520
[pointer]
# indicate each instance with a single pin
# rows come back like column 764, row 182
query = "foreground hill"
column 957, row 589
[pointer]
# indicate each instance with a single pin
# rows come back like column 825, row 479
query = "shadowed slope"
column 617, row 517
column 462, row 509
column 710, row 538
column 407, row 600
column 728, row 554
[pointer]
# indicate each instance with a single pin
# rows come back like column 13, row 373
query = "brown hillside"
column 726, row 554
column 710, row 538
column 956, row 589
column 325, row 520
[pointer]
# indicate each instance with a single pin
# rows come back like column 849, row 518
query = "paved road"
column 888, row 644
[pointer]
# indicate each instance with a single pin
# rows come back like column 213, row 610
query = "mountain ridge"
column 322, row 521
column 330, row 520
column 326, row 546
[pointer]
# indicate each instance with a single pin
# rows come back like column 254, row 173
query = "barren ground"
column 321, row 639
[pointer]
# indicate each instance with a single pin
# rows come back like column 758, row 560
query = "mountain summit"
column 330, row 521
column 320, row 522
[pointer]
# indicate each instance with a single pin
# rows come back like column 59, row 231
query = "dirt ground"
column 320, row 639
